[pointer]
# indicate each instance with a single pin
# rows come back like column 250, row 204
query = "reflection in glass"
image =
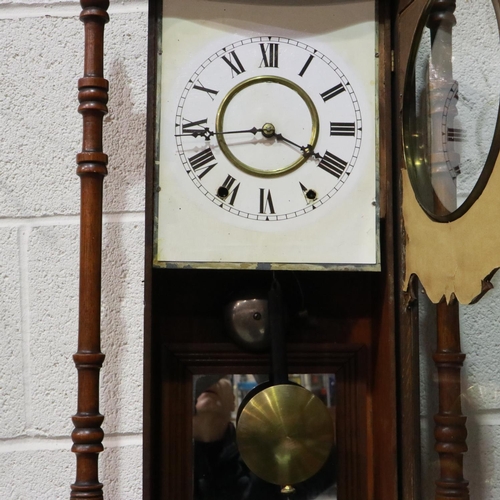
column 451, row 105
column 219, row 472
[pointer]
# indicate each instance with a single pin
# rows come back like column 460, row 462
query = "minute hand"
column 307, row 151
column 253, row 131
column 207, row 133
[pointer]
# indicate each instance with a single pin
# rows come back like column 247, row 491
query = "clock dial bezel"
column 256, row 80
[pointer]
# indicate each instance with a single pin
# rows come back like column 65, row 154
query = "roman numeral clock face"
column 268, row 128
column 267, row 132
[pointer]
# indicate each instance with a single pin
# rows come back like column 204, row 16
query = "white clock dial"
column 266, row 146
column 268, row 128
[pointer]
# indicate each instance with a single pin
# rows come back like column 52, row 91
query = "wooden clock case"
column 352, row 331
column 360, row 325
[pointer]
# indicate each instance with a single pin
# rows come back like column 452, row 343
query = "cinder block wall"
column 41, row 59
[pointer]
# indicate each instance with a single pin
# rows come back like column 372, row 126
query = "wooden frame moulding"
column 347, row 362
column 409, row 461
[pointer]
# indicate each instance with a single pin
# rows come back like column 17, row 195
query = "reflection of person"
column 214, row 405
column 219, row 472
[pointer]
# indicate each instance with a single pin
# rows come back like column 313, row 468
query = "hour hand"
column 307, row 151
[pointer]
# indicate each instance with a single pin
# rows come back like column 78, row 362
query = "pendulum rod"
column 279, row 368
column 450, row 430
column 93, row 96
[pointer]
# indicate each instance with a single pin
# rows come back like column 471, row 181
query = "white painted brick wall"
column 12, row 395
column 41, row 60
column 40, row 134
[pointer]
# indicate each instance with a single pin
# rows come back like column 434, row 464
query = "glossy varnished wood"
column 88, row 435
column 348, row 362
column 345, row 334
column 406, row 15
column 152, row 346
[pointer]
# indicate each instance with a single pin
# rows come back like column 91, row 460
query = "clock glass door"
column 219, row 470
column 267, row 146
column 451, row 106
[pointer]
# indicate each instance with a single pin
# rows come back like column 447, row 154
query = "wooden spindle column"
column 450, row 431
column 93, row 96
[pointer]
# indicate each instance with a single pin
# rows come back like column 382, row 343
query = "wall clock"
column 449, row 174
column 352, row 335
column 353, row 318
column 267, row 135
column 265, row 153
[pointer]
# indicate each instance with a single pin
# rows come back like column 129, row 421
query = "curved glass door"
column 451, row 105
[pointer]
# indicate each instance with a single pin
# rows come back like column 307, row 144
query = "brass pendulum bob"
column 284, row 432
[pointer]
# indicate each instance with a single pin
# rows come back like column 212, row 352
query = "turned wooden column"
column 450, row 431
column 93, row 96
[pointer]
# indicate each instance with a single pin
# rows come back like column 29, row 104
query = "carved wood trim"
column 93, row 96
column 349, row 364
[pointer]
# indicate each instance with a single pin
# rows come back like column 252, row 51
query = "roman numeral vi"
column 266, row 202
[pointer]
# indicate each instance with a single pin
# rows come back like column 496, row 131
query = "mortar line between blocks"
column 36, row 443
column 23, row 241
column 68, row 220
column 64, row 9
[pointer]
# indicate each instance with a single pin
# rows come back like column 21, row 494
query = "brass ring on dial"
column 285, row 434
column 219, row 123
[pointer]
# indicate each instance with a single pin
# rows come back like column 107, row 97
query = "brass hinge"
column 392, row 60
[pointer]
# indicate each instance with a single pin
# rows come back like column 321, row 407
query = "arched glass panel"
column 451, row 105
